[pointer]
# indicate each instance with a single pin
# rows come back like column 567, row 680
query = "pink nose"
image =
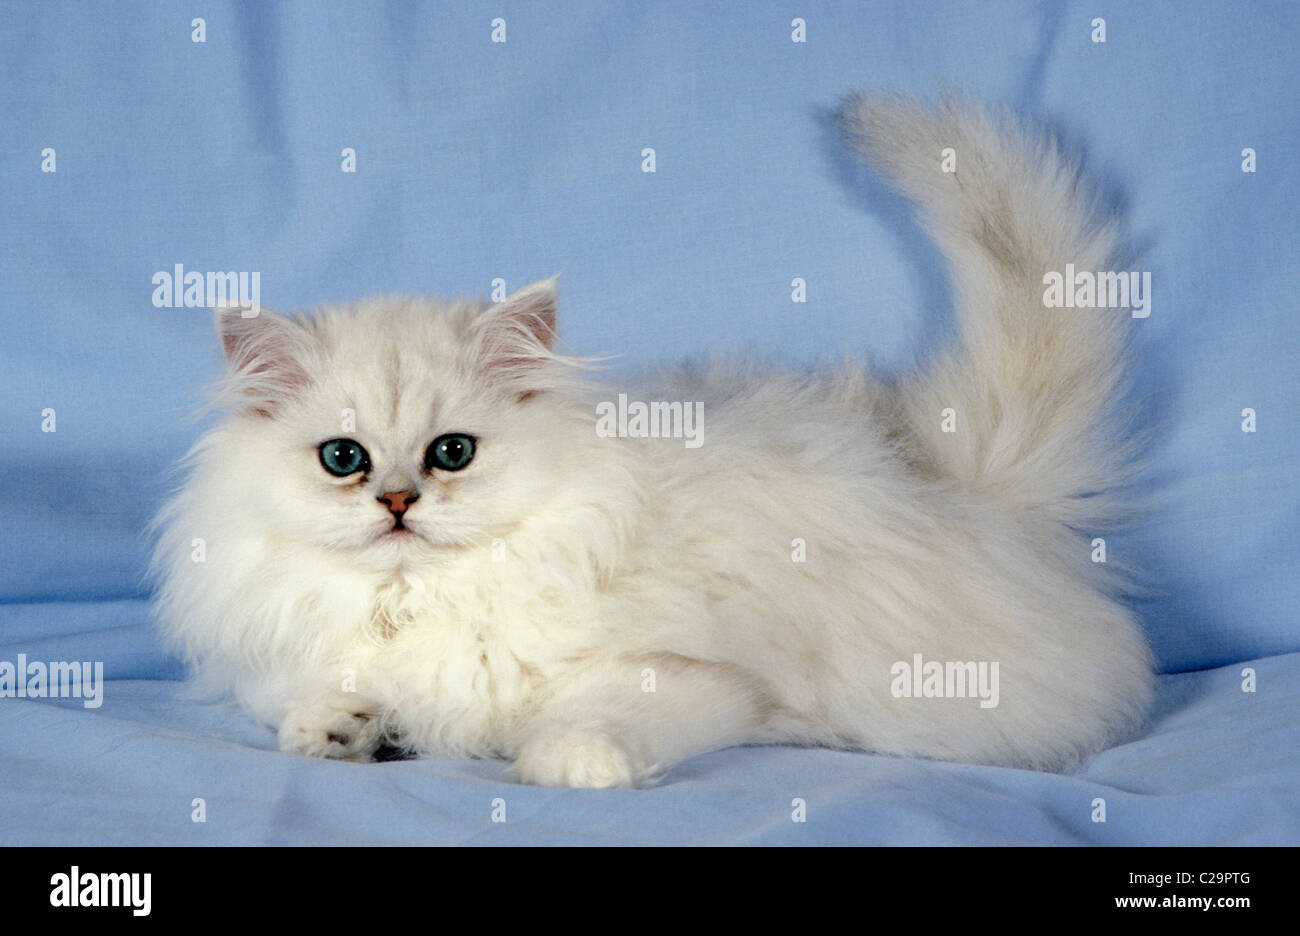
column 398, row 501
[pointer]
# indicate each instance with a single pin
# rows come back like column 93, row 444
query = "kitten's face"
column 398, row 430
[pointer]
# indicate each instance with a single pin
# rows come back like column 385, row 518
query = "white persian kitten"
column 416, row 536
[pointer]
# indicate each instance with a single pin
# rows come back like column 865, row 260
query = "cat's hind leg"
column 623, row 721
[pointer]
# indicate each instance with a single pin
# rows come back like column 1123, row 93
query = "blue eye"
column 343, row 457
column 450, row 452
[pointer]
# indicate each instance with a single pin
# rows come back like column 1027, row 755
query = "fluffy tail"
column 1033, row 389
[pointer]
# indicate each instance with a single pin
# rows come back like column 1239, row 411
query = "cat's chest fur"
column 456, row 656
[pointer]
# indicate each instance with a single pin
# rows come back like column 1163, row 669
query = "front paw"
column 324, row 729
column 577, row 756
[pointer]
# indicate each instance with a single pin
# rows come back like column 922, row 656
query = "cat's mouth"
column 398, row 532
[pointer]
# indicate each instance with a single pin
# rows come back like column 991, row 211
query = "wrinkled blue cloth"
column 478, row 160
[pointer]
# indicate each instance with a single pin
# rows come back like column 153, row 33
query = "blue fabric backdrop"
column 477, row 160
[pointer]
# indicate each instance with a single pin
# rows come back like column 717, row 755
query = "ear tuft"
column 533, row 310
column 264, row 356
column 517, row 335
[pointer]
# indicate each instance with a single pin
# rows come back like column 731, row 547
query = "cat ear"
column 264, row 354
column 518, row 333
column 532, row 310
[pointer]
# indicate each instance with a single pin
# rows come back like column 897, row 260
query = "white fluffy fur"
column 622, row 555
